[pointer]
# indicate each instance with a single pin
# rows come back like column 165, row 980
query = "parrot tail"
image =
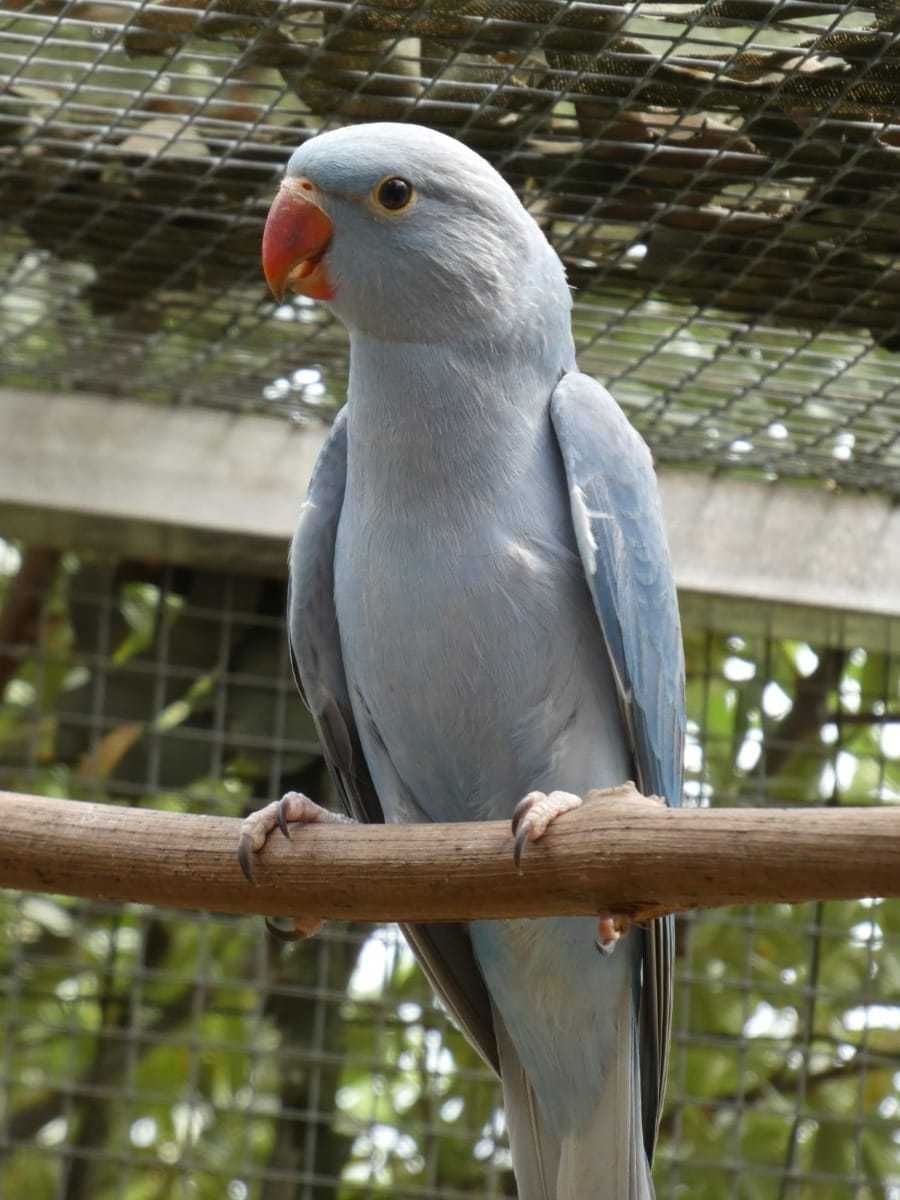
column 535, row 1151
column 605, row 1160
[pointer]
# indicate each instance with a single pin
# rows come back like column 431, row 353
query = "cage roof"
column 721, row 182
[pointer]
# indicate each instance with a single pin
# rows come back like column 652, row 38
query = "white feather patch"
column 582, row 516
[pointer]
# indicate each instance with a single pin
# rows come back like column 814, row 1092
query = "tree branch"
column 620, row 852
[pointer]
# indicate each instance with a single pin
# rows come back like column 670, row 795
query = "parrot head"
column 408, row 235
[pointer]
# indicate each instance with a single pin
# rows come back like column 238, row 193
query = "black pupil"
column 394, row 193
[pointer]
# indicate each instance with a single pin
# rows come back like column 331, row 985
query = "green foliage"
column 149, row 1055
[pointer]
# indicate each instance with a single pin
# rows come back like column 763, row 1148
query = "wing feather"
column 619, row 530
column 444, row 951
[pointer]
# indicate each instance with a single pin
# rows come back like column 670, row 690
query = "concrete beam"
column 209, row 487
column 192, row 485
column 791, row 559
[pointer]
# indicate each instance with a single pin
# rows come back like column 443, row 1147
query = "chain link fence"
column 149, row 1055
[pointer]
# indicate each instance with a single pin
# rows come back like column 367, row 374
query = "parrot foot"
column 292, row 809
column 300, row 928
column 610, row 929
column 534, row 815
column 531, row 820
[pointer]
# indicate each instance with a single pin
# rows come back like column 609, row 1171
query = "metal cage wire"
column 720, row 180
column 149, row 1053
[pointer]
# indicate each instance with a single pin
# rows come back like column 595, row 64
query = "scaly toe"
column 302, row 928
column 610, row 931
column 535, row 813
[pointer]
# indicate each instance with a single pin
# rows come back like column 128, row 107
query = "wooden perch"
column 619, row 852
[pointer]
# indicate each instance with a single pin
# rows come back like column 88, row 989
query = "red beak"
column 295, row 239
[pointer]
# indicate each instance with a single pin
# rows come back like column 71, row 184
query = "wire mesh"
column 152, row 1054
column 721, row 181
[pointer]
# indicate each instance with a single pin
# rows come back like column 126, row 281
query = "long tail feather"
column 607, row 1161
column 535, row 1153
column 572, row 1091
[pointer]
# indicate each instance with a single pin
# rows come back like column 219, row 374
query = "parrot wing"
column 619, row 530
column 444, row 951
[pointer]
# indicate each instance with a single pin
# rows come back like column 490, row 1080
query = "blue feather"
column 619, row 526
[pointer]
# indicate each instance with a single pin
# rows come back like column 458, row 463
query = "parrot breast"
column 475, row 662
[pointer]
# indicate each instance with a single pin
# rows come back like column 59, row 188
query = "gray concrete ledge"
column 212, row 488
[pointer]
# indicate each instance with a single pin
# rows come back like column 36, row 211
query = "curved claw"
column 535, row 813
column 282, row 819
column 245, row 858
column 520, row 827
column 282, row 935
column 519, row 812
column 521, row 842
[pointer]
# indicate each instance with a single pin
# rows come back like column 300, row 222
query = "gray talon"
column 282, row 819
column 520, row 810
column 520, row 843
column 520, row 829
column 281, row 935
column 245, row 858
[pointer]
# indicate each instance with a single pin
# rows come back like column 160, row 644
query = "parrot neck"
column 453, row 424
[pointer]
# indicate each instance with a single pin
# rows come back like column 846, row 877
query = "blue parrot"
column 482, row 609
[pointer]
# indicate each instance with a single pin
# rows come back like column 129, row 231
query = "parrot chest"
column 473, row 656
column 474, row 660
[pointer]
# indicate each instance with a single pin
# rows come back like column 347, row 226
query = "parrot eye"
column 393, row 193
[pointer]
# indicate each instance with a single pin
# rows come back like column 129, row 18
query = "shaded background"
column 721, row 181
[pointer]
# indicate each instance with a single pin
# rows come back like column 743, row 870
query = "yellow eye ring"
column 393, row 194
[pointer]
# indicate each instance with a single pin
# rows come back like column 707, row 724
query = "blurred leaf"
column 139, row 604
column 103, row 759
column 179, row 710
